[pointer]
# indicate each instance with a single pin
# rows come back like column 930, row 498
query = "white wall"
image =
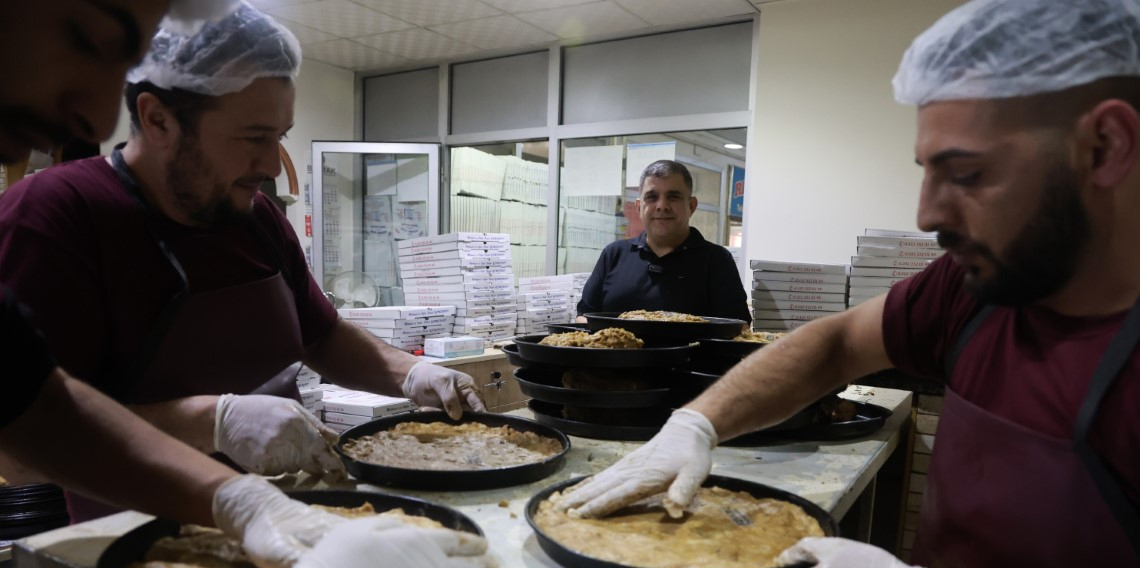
column 830, row 152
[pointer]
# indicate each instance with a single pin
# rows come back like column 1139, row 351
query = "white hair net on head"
column 224, row 56
column 992, row 49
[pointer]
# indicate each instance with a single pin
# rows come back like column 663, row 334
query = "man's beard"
column 1043, row 257
column 212, row 210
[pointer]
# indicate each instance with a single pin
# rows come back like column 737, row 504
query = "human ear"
column 692, row 204
column 156, row 123
column 1112, row 131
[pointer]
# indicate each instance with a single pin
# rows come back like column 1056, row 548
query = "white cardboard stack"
column 403, row 327
column 544, row 300
column 309, row 383
column 470, row 272
column 346, row 408
column 786, row 295
column 886, row 258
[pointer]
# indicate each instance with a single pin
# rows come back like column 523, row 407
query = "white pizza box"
column 433, row 288
column 782, row 305
column 419, row 332
column 896, row 233
column 338, row 428
column 307, row 378
column 455, row 255
column 395, row 312
column 453, row 346
column 902, row 243
column 488, row 319
column 545, row 319
column 796, row 296
column 508, row 303
column 350, row 420
column 548, row 295
column 795, row 315
column 764, row 285
column 888, row 262
column 866, row 250
column 877, row 281
column 885, row 272
column 868, row 291
column 469, row 263
column 804, row 267
column 411, row 345
column 403, row 323
column 435, row 281
column 553, row 286
column 776, row 325
column 309, row 396
column 532, row 280
column 363, row 403
column 537, row 312
column 804, row 278
column 455, row 246
column 455, row 237
column 476, row 311
column 316, row 409
column 425, row 298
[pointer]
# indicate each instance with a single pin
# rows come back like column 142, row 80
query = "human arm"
column 763, row 390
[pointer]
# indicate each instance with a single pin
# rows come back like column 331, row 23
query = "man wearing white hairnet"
column 1029, row 138
column 165, row 279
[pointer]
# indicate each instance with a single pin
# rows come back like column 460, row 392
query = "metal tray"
column 551, row 415
column 726, row 349
column 869, row 418
column 547, row 387
column 567, row 327
column 718, row 328
column 132, row 546
column 585, row 357
column 512, row 352
column 470, row 480
column 573, row 559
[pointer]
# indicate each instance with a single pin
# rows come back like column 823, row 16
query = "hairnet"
column 991, row 49
column 224, row 56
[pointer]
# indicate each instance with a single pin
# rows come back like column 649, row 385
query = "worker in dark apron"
column 1029, row 140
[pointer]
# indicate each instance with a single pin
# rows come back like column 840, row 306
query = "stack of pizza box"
column 468, row 271
column 887, row 257
column 544, row 300
column 403, row 327
column 786, row 295
column 346, row 408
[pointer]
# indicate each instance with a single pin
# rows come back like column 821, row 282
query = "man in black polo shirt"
column 670, row 266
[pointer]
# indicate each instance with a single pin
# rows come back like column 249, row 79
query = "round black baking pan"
column 574, row 559
column 638, row 424
column 585, row 357
column 869, row 418
column 726, row 349
column 513, row 357
column 548, row 387
column 133, row 546
column 719, row 328
column 567, row 327
column 438, row 480
column 31, row 509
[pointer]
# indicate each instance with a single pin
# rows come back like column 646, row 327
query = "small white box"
column 346, row 419
column 451, row 346
column 312, row 395
column 365, row 403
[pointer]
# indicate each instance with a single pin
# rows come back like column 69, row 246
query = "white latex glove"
column 387, row 542
column 272, row 435
column 274, row 529
column 831, row 552
column 679, row 458
column 439, row 387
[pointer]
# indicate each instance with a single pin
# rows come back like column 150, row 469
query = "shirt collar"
column 694, row 240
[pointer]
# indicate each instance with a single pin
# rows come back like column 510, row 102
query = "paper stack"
column 468, row 271
column 886, row 258
column 544, row 300
column 786, row 295
column 403, row 327
column 346, row 408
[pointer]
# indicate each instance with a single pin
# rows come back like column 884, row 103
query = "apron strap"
column 964, row 338
column 1115, row 358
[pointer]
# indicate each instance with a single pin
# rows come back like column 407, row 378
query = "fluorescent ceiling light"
column 732, row 146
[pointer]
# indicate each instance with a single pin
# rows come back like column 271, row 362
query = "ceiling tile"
column 305, row 34
column 350, row 55
column 266, row 5
column 495, row 32
column 529, row 5
column 584, row 20
column 432, row 12
column 417, row 43
column 340, row 18
column 672, row 12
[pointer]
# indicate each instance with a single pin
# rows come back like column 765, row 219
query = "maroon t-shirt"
column 78, row 250
column 1028, row 365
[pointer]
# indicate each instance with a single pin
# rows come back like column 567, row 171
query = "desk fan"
column 353, row 289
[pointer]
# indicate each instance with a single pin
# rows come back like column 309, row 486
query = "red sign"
column 308, row 225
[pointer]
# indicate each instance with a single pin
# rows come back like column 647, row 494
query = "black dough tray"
column 573, row 559
column 585, row 357
column 438, row 480
column 640, row 431
column 716, row 328
column 132, row 546
column 869, row 418
column 547, row 387
column 726, row 349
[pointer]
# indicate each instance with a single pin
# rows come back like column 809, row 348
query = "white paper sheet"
column 594, row 170
column 639, row 156
column 412, row 174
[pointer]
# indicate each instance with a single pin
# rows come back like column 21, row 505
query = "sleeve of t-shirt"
column 593, row 293
column 316, row 314
column 728, row 297
column 923, row 317
column 27, row 363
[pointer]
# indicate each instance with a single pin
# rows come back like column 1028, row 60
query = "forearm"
column 84, row 441
column 189, row 419
column 782, row 378
column 353, row 358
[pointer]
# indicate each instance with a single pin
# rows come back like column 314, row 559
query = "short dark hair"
column 664, row 169
column 187, row 106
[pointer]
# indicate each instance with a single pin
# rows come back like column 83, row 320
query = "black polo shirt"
column 698, row 278
column 27, row 364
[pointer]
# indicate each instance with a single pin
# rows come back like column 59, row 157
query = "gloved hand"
column 679, row 458
column 271, row 435
column 830, row 552
column 439, row 387
column 384, row 541
column 274, row 529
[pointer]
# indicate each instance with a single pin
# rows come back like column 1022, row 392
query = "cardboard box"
column 865, row 281
column 761, row 285
column 901, row 243
column 803, row 278
column 884, row 272
column 455, row 237
column 888, row 262
column 309, row 396
column 793, row 315
column 346, row 419
column 451, row 346
column 776, row 325
column 866, row 250
column 796, row 296
column 395, row 312
column 797, row 305
column 456, row 246
column 365, row 403
column 802, row 267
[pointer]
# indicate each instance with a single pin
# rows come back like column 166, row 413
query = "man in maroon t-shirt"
column 1029, row 139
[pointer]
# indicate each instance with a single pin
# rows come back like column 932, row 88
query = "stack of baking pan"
column 30, row 509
